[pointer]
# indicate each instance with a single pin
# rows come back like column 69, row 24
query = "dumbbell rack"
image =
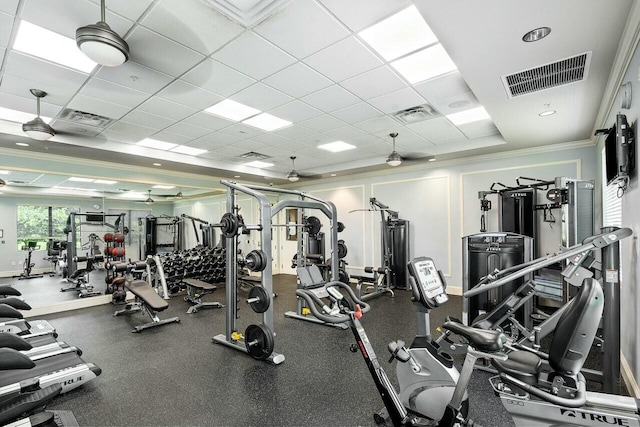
column 262, row 336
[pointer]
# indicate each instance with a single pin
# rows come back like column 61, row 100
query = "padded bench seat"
column 199, row 284
column 142, row 290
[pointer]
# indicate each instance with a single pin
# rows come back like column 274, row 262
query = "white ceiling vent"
column 85, row 119
column 565, row 71
column 252, row 155
column 247, row 12
column 416, row 114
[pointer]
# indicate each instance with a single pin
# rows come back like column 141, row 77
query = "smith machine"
column 258, row 339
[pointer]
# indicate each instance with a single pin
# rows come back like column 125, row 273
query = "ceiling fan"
column 37, row 128
column 395, row 159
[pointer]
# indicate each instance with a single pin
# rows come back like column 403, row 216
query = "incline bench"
column 196, row 289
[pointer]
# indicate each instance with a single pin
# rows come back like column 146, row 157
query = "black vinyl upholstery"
column 522, row 365
column 148, row 295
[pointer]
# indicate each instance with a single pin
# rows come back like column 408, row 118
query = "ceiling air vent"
column 416, row 114
column 565, row 71
column 86, row 119
column 252, row 155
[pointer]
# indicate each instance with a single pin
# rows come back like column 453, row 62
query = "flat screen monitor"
column 619, row 151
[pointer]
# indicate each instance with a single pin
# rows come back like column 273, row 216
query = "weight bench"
column 376, row 284
column 148, row 300
column 196, row 289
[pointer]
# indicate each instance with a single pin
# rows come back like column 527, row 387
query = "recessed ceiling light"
column 547, row 113
column 157, row 164
column 5, row 172
column 183, row 149
column 22, row 144
column 158, row 145
column 468, row 116
column 259, row 164
column 537, row 34
column 80, row 179
column 334, row 174
column 266, row 122
column 232, row 110
column 164, row 187
column 337, row 146
column 46, row 44
column 402, row 33
column 425, row 64
column 431, row 159
column 18, row 116
column 236, row 176
column 105, row 182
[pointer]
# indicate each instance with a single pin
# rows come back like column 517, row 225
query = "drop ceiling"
column 306, row 63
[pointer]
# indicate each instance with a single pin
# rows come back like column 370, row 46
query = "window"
column 36, row 225
column 611, row 202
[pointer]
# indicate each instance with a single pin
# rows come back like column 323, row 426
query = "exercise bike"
column 432, row 390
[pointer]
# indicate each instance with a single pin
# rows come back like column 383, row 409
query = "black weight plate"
column 259, row 341
column 264, row 301
column 342, row 249
column 229, row 225
column 253, row 260
column 313, row 225
column 343, row 276
column 340, row 227
column 263, row 257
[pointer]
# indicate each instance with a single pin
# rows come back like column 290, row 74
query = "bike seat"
column 480, row 339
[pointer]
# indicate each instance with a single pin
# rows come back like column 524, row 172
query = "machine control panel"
column 427, row 282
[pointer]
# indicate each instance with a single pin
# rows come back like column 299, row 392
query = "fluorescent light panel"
column 232, row 110
column 425, row 64
column 468, row 116
column 259, row 164
column 46, row 44
column 5, row 172
column 337, row 146
column 402, row 33
column 266, row 122
column 183, row 149
column 105, row 181
column 164, row 187
column 158, row 145
column 19, row 116
column 80, row 179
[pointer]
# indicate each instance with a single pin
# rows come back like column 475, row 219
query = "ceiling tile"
column 269, row 138
column 479, row 129
column 442, row 87
column 346, row 133
column 88, row 104
column 171, row 137
column 208, row 121
column 127, row 138
column 216, row 77
column 437, row 131
column 357, row 113
column 331, row 99
column 149, row 120
column 127, row 8
column 165, row 108
column 160, row 53
column 44, row 72
column 189, row 95
column 302, row 28
column 261, row 96
column 354, row 58
column 360, row 14
column 2, row 52
column 295, row 132
column 66, row 16
column 136, row 132
column 111, row 92
column 374, row 83
column 242, row 131
column 323, row 123
column 28, row 105
column 383, row 124
column 214, row 139
column 193, row 24
column 135, row 76
column 253, row 56
column 193, row 132
column 298, row 80
column 296, row 111
column 20, row 87
column 397, row 101
column 9, row 6
column 456, row 103
column 6, row 24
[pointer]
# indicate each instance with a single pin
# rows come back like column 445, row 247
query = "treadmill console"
column 427, row 283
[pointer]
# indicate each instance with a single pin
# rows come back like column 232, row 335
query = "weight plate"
column 343, row 276
column 340, row 227
column 342, row 249
column 259, row 341
column 263, row 302
column 313, row 225
column 229, row 225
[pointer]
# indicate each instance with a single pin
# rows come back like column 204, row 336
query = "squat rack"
column 231, row 338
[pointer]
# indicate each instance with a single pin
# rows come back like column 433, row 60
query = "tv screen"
column 619, row 151
column 95, row 217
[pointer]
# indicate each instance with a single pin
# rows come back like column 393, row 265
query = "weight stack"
column 482, row 254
